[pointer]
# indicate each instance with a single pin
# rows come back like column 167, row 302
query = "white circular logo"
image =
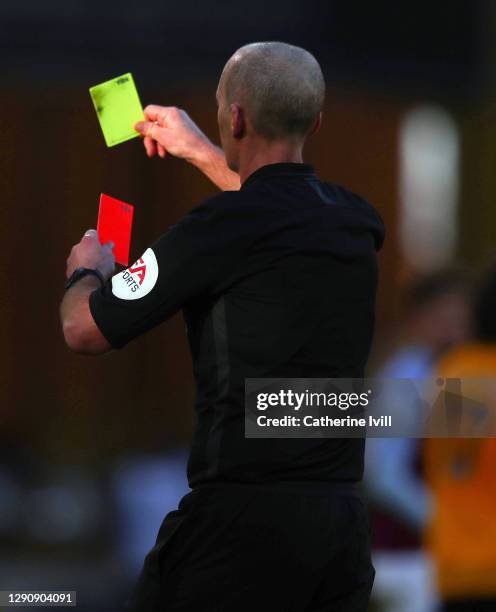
column 138, row 280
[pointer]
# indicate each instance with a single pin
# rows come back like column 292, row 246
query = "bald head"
column 281, row 87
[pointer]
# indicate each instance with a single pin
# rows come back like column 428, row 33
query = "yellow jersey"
column 461, row 473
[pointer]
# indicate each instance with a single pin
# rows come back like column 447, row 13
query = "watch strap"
column 80, row 273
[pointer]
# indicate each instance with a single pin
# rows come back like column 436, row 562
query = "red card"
column 115, row 220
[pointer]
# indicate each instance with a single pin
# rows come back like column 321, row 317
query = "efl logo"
column 138, row 280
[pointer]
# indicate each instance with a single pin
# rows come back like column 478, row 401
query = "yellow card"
column 118, row 108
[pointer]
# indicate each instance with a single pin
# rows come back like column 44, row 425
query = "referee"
column 276, row 277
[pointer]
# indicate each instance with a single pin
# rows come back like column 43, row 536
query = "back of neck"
column 262, row 154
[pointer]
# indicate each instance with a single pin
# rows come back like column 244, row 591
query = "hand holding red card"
column 115, row 220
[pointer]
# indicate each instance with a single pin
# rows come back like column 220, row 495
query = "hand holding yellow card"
column 118, row 108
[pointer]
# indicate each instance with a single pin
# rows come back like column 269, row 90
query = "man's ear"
column 238, row 123
column 316, row 125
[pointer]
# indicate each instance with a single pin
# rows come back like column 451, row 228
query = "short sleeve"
column 184, row 263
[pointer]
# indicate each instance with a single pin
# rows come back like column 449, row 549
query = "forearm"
column 211, row 160
column 78, row 326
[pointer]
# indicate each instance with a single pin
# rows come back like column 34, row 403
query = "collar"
column 288, row 169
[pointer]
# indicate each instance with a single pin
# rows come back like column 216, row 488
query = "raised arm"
column 168, row 129
column 78, row 326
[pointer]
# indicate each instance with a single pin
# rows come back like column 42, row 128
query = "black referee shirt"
column 275, row 280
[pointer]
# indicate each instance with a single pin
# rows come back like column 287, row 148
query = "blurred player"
column 461, row 473
column 437, row 318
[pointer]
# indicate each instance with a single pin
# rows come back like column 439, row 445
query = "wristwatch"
column 79, row 273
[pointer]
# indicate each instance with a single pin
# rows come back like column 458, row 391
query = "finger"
column 161, row 150
column 154, row 112
column 109, row 245
column 147, row 128
column 141, row 127
column 91, row 233
column 151, row 129
column 150, row 146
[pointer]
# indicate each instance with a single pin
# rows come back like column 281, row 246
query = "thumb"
column 145, row 128
column 109, row 245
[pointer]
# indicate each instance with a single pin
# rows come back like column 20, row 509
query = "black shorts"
column 270, row 548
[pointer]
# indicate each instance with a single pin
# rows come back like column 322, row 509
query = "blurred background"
column 93, row 450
